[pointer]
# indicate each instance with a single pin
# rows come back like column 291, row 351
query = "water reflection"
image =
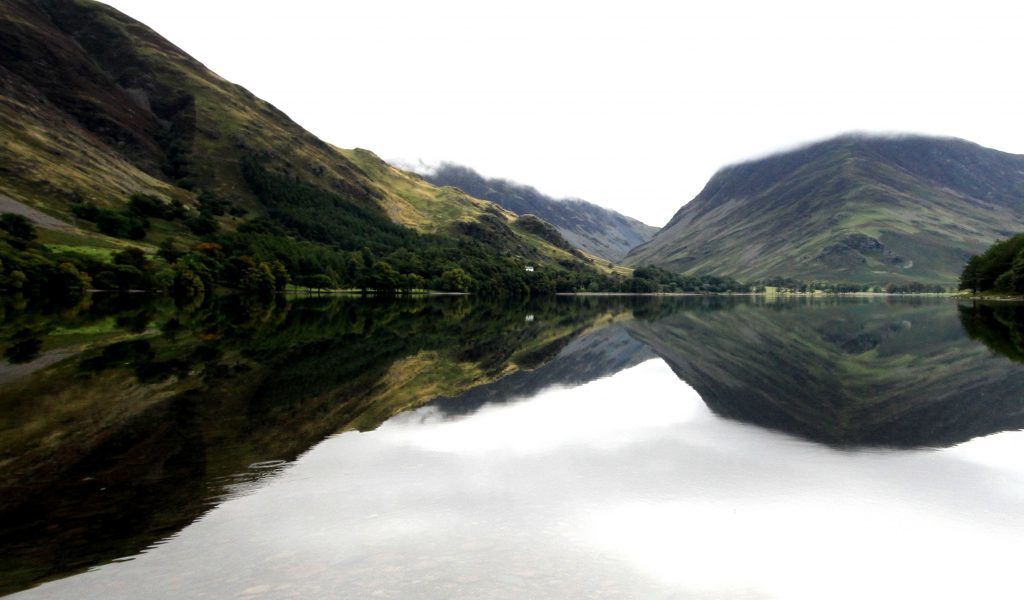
column 576, row 493
column 847, row 373
column 1000, row 326
column 124, row 420
column 147, row 416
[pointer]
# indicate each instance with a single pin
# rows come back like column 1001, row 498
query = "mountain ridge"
column 124, row 141
column 594, row 229
column 859, row 208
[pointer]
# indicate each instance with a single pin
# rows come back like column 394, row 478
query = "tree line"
column 309, row 237
column 999, row 269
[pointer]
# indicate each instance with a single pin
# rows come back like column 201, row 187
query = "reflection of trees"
column 166, row 406
column 23, row 348
column 998, row 326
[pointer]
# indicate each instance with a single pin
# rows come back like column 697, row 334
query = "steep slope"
column 591, row 228
column 854, row 208
column 96, row 107
column 81, row 77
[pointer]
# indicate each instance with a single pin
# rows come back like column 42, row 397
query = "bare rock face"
column 855, row 250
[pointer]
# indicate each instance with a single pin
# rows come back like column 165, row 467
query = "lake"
column 698, row 447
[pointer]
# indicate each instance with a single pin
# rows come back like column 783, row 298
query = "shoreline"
column 763, row 295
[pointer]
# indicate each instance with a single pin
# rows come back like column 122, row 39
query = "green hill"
column 857, row 209
column 97, row 109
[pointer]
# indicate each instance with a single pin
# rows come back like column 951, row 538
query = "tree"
column 1017, row 273
column 318, row 282
column 414, row 282
column 203, row 224
column 147, row 205
column 16, row 280
column 18, row 226
column 127, row 225
column 281, row 276
column 121, row 277
column 969, row 276
column 72, row 280
column 169, row 252
column 383, row 277
column 23, row 350
column 132, row 257
column 993, row 269
column 258, row 278
column 187, row 283
column 455, row 280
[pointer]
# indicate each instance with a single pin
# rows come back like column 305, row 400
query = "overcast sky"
column 632, row 104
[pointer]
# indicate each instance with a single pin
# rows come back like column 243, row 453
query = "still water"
column 578, row 448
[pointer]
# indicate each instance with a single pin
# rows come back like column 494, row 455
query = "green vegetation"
column 118, row 138
column 314, row 233
column 315, row 238
column 999, row 269
column 17, row 227
column 796, row 286
column 649, row 279
column 115, row 138
column 860, row 210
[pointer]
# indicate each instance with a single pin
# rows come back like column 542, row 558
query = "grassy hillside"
column 96, row 108
column 591, row 228
column 854, row 209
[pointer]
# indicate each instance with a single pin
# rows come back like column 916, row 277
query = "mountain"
column 847, row 374
column 111, row 137
column 861, row 209
column 591, row 228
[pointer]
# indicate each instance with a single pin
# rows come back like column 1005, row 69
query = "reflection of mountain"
column 156, row 413
column 846, row 374
column 137, row 435
column 590, row 356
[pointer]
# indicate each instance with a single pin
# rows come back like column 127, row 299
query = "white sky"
column 632, row 104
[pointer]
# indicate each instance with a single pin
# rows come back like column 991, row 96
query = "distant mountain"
column 591, row 228
column 596, row 353
column 862, row 209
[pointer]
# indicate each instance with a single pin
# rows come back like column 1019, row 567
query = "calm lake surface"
column 564, row 448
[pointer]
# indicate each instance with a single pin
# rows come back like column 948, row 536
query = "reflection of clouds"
column 607, row 413
column 624, row 487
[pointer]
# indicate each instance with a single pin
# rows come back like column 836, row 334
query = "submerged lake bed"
column 571, row 447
